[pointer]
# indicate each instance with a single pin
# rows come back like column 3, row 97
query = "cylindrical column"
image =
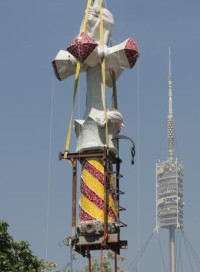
column 92, row 199
column 172, row 249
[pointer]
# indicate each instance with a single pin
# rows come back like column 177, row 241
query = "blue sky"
column 32, row 32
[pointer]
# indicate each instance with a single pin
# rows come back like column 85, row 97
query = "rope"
column 101, row 259
column 138, row 169
column 49, row 168
column 115, row 262
column 68, row 139
column 179, row 259
column 71, row 257
column 86, row 15
column 138, row 140
column 103, row 70
column 188, row 254
column 197, row 260
column 77, row 75
column 136, row 259
column 101, row 252
column 161, row 252
column 89, row 260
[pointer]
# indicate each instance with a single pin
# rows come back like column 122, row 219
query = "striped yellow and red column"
column 92, row 193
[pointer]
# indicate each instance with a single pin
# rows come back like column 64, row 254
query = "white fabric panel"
column 64, row 64
column 95, row 57
column 116, row 56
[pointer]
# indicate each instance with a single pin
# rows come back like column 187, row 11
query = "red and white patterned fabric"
column 82, row 46
column 90, row 53
column 131, row 52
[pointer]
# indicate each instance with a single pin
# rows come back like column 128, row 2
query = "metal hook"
column 132, row 142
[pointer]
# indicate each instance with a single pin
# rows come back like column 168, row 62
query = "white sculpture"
column 86, row 49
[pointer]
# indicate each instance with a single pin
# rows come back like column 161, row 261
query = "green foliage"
column 50, row 266
column 16, row 256
column 107, row 265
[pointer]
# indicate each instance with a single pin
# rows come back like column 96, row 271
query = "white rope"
column 49, row 170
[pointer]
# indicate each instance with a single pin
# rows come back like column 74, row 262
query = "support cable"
column 179, row 259
column 103, row 72
column 161, row 252
column 71, row 256
column 77, row 75
column 115, row 262
column 197, row 260
column 137, row 257
column 49, row 168
column 89, row 260
column 188, row 253
column 101, row 260
column 138, row 143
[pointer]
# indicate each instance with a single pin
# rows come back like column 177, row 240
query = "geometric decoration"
column 92, row 193
column 64, row 64
column 82, row 46
column 131, row 52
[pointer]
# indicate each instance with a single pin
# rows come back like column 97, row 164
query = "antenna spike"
column 170, row 85
column 170, row 115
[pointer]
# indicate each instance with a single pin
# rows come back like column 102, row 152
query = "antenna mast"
column 169, row 174
column 170, row 116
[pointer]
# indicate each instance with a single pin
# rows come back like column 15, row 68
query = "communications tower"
column 169, row 185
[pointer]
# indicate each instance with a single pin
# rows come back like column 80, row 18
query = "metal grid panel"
column 169, row 194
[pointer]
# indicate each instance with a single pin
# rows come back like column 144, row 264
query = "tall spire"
column 170, row 186
column 170, row 85
column 170, row 116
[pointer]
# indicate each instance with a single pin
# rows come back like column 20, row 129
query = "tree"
column 16, row 256
column 107, row 265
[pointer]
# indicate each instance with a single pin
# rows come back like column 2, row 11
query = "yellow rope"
column 69, row 132
column 77, row 74
column 86, row 15
column 103, row 70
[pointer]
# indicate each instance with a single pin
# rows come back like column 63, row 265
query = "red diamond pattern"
column 131, row 52
column 81, row 47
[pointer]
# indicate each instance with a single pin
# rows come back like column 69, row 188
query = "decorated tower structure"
column 97, row 133
column 169, row 205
